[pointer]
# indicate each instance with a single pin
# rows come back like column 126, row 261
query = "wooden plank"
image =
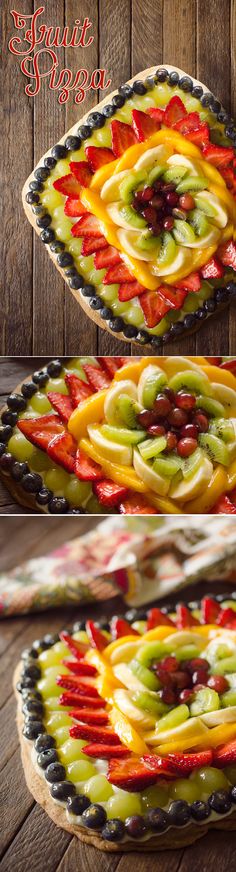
column 16, row 802
column 216, row 849
column 49, row 843
column 146, row 45
column 48, row 287
column 232, row 317
column 213, row 68
column 85, row 858
column 9, row 735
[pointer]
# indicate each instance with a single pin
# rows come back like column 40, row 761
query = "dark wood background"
column 29, row 839
column 38, row 314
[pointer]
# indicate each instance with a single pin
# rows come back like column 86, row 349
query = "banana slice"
column 226, row 396
column 113, row 451
column 181, row 259
column 150, row 373
column 124, row 674
column 193, row 487
column 172, row 365
column 155, row 482
column 128, row 239
column 126, row 706
column 126, row 386
column 110, row 190
column 191, row 727
column 183, row 637
column 221, row 716
column 115, row 215
column 124, row 652
column 180, row 160
column 212, row 207
column 154, row 157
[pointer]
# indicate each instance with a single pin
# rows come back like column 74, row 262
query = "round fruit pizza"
column 128, row 730
column 142, row 436
column 137, row 207
column 135, row 436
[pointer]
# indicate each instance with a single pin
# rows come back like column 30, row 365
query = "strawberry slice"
column 218, row 155
column 78, row 389
column 62, row 404
column 188, row 123
column 122, row 137
column 73, row 682
column 200, row 136
column 87, row 469
column 97, row 378
column 97, row 157
column 96, row 637
column 108, row 493
column 41, row 430
column 78, row 649
column 174, row 111
column 81, row 171
column 79, row 668
column 85, row 731
column 110, row 364
column 224, row 506
column 73, row 697
column 105, row 752
column 87, row 226
column 230, row 178
column 190, row 283
column 131, row 775
column 210, row 610
column 185, row 617
column 67, row 185
column 135, row 504
column 178, row 764
column 88, row 716
column 154, row 307
column 108, row 256
column 129, row 290
column 172, row 296
column 213, row 269
column 117, row 273
column 143, row 125
column 157, row 114
column 74, row 208
column 157, row 618
column 227, row 254
column 62, row 449
column 215, row 361
column 91, row 245
column 230, row 365
column 227, row 618
column 225, row 755
column 120, row 627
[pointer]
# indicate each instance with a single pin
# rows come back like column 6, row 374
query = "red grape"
column 186, row 447
column 185, row 401
column 178, row 417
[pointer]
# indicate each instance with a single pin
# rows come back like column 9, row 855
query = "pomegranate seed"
column 185, row 401
column 146, row 419
column 171, row 440
column 186, row 202
column 162, row 405
column 168, row 223
column 178, row 417
column 168, row 696
column 181, row 680
column 172, row 199
column 169, row 664
column 149, row 214
column 164, row 677
column 198, row 663
column 156, row 430
column 199, row 677
column 218, row 683
column 185, row 695
column 189, row 430
column 201, row 421
column 186, row 447
column 148, row 192
column 157, row 201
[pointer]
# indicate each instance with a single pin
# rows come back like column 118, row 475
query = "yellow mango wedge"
column 126, row 732
column 90, row 411
column 217, row 486
column 123, row 475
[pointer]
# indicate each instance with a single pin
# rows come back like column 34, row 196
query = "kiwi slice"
column 148, row 703
column 167, row 466
column 199, row 222
column 132, row 217
column 147, row 242
column 205, row 206
column 155, row 173
column 123, row 435
column 223, row 428
column 151, row 447
column 126, row 411
column 192, row 183
column 194, row 381
column 191, row 464
column 214, row 446
column 183, row 232
column 175, row 174
column 167, row 250
column 153, row 384
column 213, row 407
column 130, row 184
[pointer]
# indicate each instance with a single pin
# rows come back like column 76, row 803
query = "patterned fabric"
column 129, row 557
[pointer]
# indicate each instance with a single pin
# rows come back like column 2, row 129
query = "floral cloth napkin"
column 140, row 560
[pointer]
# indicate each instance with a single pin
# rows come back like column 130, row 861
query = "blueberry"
column 47, row 236
column 94, row 817
column 126, row 90
column 179, row 813
column 47, row 757
column 32, row 671
column 32, row 197
column 113, row 831
column 33, row 729
column 44, row 742
column 40, row 378
column 95, row 303
column 108, row 110
column 27, row 682
column 186, row 84
column 77, row 512
column 61, row 790
column 38, row 210
column 230, row 131
column 200, row 810
column 210, row 305
column 35, row 186
column 233, row 793
column 189, row 321
column 6, row 460
column 221, row 295
column 103, row 623
column 55, row 772
column 18, row 470
column 58, row 506
column 177, row 329
column 131, row 615
column 84, row 131
column 197, row 91
column 139, row 87
column 220, row 801
column 54, row 368
column 44, row 221
column 164, row 339
column 16, row 402
column 64, row 259
column 95, row 120
column 143, row 337
column 206, row 99
column 59, row 151
column 57, row 246
column 215, row 106
column 105, row 313
column 5, row 433
column 32, row 482
column 29, row 653
column 157, row 820
column 118, row 101
column 73, row 143
column 44, row 496
column 78, row 626
column 88, row 291
column 39, row 645
column 49, row 162
column 41, row 174
column 150, row 82
column 30, row 694
column 116, row 324
column 162, row 75
column 77, row 804
column 201, row 313
column 76, row 283
column 135, row 826
column 130, row 332
column 173, row 78
column 231, row 288
column 50, row 640
column 9, row 417
column 28, row 389
column 156, row 341
column 19, row 687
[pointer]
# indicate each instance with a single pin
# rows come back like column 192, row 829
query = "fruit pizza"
column 137, row 207
column 128, row 728
column 133, row 436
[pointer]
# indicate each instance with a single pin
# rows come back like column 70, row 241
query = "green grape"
column 51, row 199
column 227, row 664
column 47, row 686
column 98, row 789
column 57, row 385
column 30, row 413
column 52, row 656
column 61, row 735
column 74, row 247
column 228, row 698
column 103, row 137
column 53, row 705
column 155, row 797
column 229, row 604
column 230, row 773
column 40, row 461
column 182, row 788
column 74, row 365
column 191, row 303
column 77, row 492
column 40, row 403
column 72, row 751
column 120, row 308
column 160, row 328
column 80, row 770
column 93, row 507
column 161, row 94
column 96, row 276
column 108, row 293
column 208, row 780
column 134, row 315
column 62, row 225
column 56, row 479
column 81, row 636
column 142, row 102
column 86, row 264
column 57, row 720
column 19, row 446
column 62, row 168
column 140, row 626
column 123, row 804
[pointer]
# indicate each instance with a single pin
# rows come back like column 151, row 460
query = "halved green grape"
column 39, row 461
column 52, row 704
column 52, row 656
column 123, row 805
column 209, row 779
column 173, row 719
column 57, row 720
column 40, row 403
column 61, row 735
column 155, row 797
column 151, row 447
column 149, row 703
column 205, row 700
column 140, row 626
column 123, row 435
column 72, row 751
column 80, row 770
column 98, row 789
column 144, row 675
column 57, row 385
column 81, row 636
column 19, row 446
column 184, row 789
column 56, row 480
column 47, row 686
column 77, row 492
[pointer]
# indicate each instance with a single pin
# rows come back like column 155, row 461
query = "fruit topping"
column 156, row 618
column 174, row 111
column 97, row 639
column 131, row 774
column 90, row 733
column 78, row 389
column 87, row 469
column 40, row 431
column 88, row 716
column 184, row 616
column 97, row 157
column 78, row 649
column 178, row 764
column 62, row 404
column 110, row 494
column 62, row 450
column 144, row 125
column 120, row 627
column 210, row 610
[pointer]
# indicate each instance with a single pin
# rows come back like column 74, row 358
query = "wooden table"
column 38, row 314
column 30, row 839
